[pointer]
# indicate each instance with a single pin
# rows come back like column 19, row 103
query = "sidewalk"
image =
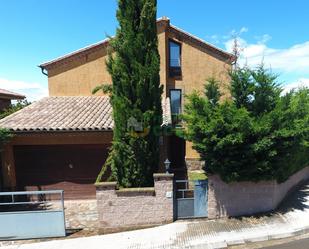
column 290, row 220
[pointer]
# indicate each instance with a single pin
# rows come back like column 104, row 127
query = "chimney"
column 164, row 22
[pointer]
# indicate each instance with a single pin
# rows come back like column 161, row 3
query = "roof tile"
column 10, row 95
column 68, row 113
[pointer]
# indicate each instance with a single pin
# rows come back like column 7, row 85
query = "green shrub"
column 5, row 136
column 14, row 108
column 257, row 135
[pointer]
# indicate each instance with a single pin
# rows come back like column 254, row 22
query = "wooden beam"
column 57, row 138
column 8, row 168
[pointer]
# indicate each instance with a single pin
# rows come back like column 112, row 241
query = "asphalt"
column 299, row 244
column 292, row 219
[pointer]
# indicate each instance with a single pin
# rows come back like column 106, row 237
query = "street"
column 298, row 244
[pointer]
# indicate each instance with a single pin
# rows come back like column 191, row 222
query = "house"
column 6, row 97
column 62, row 141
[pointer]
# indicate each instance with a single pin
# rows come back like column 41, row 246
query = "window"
column 175, row 97
column 174, row 58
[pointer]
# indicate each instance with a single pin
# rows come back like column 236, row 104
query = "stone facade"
column 132, row 208
column 81, row 214
column 246, row 198
column 194, row 164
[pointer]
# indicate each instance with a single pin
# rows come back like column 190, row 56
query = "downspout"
column 44, row 71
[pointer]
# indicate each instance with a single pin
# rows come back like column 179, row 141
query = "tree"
column 134, row 66
column 266, row 90
column 257, row 135
column 242, row 87
column 212, row 91
column 14, row 108
column 5, row 136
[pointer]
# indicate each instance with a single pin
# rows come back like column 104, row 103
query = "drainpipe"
column 43, row 70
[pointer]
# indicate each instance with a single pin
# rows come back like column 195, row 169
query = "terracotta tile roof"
column 6, row 94
column 66, row 113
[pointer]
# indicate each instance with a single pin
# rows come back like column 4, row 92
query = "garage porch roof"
column 6, row 94
column 68, row 113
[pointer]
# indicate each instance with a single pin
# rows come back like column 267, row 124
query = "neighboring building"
column 62, row 141
column 6, row 97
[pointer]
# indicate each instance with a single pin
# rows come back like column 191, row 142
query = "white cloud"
column 291, row 59
column 303, row 82
column 264, row 38
column 243, row 30
column 33, row 91
column 214, row 38
column 235, row 33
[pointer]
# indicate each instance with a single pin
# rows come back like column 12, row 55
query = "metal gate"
column 191, row 198
column 31, row 214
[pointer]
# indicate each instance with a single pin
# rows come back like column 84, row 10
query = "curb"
column 224, row 244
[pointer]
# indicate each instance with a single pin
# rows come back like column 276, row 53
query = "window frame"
column 174, row 71
column 180, row 101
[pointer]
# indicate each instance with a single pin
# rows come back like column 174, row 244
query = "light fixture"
column 167, row 165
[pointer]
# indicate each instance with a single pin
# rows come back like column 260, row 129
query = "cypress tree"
column 134, row 65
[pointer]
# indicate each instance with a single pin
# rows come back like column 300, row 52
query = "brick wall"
column 135, row 207
column 245, row 198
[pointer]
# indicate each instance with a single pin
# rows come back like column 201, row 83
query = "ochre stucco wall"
column 197, row 65
column 79, row 76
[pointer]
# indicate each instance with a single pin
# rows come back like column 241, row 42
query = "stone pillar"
column 164, row 190
column 8, row 168
column 105, row 194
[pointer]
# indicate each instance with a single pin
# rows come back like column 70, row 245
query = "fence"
column 31, row 214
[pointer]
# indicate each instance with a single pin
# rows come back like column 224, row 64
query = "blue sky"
column 34, row 31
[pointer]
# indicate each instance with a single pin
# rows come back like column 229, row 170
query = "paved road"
column 298, row 244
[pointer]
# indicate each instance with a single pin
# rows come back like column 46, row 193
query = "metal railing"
column 41, row 195
column 32, row 214
column 184, row 189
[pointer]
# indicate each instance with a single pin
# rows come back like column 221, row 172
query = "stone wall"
column 194, row 164
column 81, row 214
column 245, row 198
column 132, row 208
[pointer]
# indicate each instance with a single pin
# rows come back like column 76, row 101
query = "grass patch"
column 197, row 175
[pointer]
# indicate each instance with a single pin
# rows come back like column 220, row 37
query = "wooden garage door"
column 73, row 168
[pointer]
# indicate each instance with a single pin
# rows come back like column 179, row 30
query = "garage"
column 58, row 143
column 72, row 168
